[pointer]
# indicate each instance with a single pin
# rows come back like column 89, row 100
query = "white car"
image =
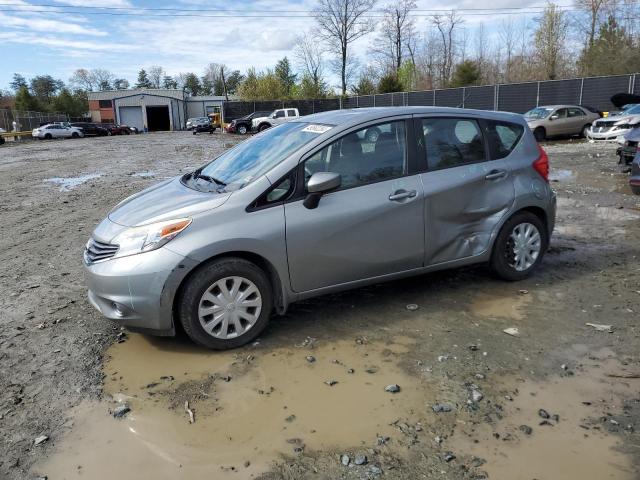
column 276, row 117
column 55, row 130
column 614, row 128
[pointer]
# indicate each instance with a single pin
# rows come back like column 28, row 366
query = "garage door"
column 131, row 116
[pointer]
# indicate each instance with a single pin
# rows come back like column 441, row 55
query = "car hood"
column 633, row 135
column 164, row 201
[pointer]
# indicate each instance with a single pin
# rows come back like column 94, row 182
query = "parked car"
column 197, row 121
column 614, row 128
column 113, row 129
column 130, row 129
column 276, row 117
column 629, row 149
column 2, row 140
column 91, row 129
column 242, row 125
column 312, row 207
column 593, row 110
column 558, row 120
column 634, row 181
column 55, row 130
column 623, row 110
column 199, row 128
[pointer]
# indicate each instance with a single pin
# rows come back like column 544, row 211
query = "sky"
column 56, row 37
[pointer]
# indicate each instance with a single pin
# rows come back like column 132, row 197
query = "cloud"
column 49, row 26
column 96, row 3
column 59, row 43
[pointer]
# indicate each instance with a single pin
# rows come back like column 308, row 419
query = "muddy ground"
column 470, row 398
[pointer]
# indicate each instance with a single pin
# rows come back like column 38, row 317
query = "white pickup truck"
column 274, row 118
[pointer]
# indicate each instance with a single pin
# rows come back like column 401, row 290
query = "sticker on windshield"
column 316, row 128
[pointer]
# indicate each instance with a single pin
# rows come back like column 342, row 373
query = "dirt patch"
column 52, row 342
column 564, row 424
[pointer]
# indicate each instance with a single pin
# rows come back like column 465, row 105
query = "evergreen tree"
column 389, row 84
column 192, row 84
column 466, row 73
column 17, row 82
column 285, row 74
column 25, row 101
column 143, row 79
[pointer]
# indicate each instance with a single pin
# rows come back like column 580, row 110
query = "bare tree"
column 340, row 23
column 156, row 75
column 308, row 55
column 550, row 39
column 507, row 40
column 83, row 80
column 446, row 25
column 394, row 42
column 594, row 10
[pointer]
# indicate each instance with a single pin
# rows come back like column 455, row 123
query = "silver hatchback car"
column 329, row 202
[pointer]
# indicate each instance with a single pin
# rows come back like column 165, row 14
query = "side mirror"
column 554, row 117
column 319, row 184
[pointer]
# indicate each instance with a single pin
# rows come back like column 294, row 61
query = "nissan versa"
column 318, row 205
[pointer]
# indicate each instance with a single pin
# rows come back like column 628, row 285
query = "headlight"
column 148, row 237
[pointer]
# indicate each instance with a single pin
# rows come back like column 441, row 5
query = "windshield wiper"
column 207, row 178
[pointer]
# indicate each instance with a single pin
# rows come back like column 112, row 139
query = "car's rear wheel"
column 519, row 247
column 540, row 134
column 225, row 304
column 242, row 129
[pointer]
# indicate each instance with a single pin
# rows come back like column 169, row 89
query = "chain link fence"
column 514, row 97
column 28, row 120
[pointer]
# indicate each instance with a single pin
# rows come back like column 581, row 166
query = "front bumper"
column 231, row 128
column 608, row 135
column 138, row 291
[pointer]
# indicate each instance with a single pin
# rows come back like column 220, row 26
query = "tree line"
column 593, row 37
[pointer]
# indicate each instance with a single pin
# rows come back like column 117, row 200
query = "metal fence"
column 512, row 97
column 27, row 120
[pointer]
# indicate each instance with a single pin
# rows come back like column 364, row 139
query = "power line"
column 270, row 14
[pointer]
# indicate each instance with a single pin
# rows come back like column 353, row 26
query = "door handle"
column 401, row 195
column 495, row 174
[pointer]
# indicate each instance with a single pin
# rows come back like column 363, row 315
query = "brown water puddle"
column 249, row 407
column 577, row 447
column 501, row 307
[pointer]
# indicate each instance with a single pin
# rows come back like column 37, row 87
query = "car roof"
column 561, row 106
column 359, row 115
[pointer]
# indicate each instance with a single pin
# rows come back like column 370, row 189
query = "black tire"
column 47, row 136
column 540, row 134
column 75, row 135
column 263, row 127
column 2, row 140
column 109, row 133
column 242, row 129
column 635, row 189
column 502, row 247
column 585, row 129
column 201, row 280
column 194, row 131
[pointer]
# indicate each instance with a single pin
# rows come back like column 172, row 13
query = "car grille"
column 96, row 251
column 603, row 126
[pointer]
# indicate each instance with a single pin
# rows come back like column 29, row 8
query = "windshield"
column 633, row 110
column 254, row 157
column 538, row 113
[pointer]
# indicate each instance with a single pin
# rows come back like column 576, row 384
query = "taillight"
column 541, row 165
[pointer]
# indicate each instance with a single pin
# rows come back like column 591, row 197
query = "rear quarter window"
column 502, row 137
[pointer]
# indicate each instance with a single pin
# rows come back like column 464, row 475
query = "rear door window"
column 502, row 137
column 576, row 112
column 450, row 142
column 291, row 113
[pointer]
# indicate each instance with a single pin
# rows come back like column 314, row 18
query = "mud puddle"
column 67, row 184
column 249, row 408
column 511, row 306
column 576, row 445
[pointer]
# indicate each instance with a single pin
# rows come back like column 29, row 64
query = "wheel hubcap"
column 229, row 307
column 523, row 246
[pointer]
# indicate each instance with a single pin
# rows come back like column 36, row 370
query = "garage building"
column 149, row 109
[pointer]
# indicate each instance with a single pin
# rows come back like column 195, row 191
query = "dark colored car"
column 627, row 152
column 116, row 129
column 199, row 128
column 91, row 129
column 243, row 125
column 132, row 130
column 593, row 110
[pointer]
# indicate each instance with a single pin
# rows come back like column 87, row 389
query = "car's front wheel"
column 225, row 304
column 263, row 127
column 242, row 129
column 47, row 136
column 75, row 135
column 519, row 247
column 585, row 130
